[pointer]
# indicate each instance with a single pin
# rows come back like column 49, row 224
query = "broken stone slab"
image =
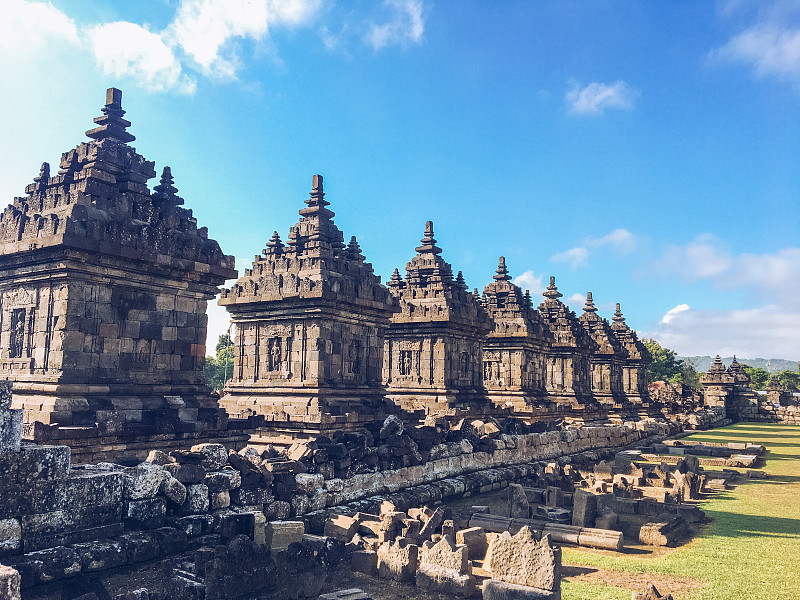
column 499, row 590
column 433, row 524
column 518, row 506
column 474, row 538
column 397, row 560
column 663, row 533
column 42, row 463
column 523, row 560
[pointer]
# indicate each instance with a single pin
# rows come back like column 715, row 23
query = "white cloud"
column 576, row 300
column 204, row 29
column 704, row 257
column 596, row 98
column 771, row 49
column 768, row 331
column 621, row 241
column 576, row 257
column 27, row 26
column 672, row 312
column 529, row 281
column 126, row 49
column 407, row 24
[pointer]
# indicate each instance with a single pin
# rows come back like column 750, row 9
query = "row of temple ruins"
column 103, row 293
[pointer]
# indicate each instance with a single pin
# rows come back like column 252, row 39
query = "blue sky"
column 646, row 152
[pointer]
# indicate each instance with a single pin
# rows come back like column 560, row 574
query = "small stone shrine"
column 103, row 296
column 634, row 369
column 433, row 356
column 515, row 351
column 607, row 360
column 310, row 318
column 568, row 378
column 729, row 388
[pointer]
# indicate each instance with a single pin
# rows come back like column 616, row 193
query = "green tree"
column 790, row 380
column 218, row 369
column 666, row 365
column 758, row 376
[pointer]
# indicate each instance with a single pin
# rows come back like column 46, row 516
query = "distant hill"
column 771, row 365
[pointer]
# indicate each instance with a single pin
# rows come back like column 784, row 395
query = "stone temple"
column 103, row 292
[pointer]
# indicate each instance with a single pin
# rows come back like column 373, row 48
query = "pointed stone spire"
column 44, row 175
column 165, row 190
column 316, row 201
column 528, row 299
column 460, row 283
column 428, row 242
column 618, row 318
column 589, row 306
column 502, row 272
column 293, row 241
column 111, row 125
column 395, row 280
column 353, row 249
column 275, row 245
column 475, row 294
column 552, row 292
column 717, row 367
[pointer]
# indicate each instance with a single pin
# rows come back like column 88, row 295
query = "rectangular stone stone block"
column 10, row 536
column 584, row 507
column 279, row 534
column 9, row 583
column 499, row 590
column 42, row 462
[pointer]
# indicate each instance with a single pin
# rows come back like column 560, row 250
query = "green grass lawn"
column 752, row 548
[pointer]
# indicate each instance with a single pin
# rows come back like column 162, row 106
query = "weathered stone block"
column 518, row 506
column 251, row 496
column 42, row 462
column 10, row 536
column 341, row 527
column 279, row 534
column 9, row 583
column 170, row 540
column 499, row 590
column 213, row 456
column 173, row 489
column 197, row 500
column 219, row 500
column 139, row 546
column 147, row 513
column 143, row 481
column 584, row 507
column 186, row 472
column 227, row 479
column 309, row 483
column 364, row 561
column 99, row 556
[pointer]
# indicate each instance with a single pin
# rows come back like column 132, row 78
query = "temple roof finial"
column 552, row 291
column 618, row 318
column 428, row 242
column 589, row 306
column 111, row 125
column 275, row 245
column 502, row 271
column 460, row 281
column 395, row 280
column 316, row 201
column 43, row 176
column 528, row 300
column 353, row 249
column 165, row 190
